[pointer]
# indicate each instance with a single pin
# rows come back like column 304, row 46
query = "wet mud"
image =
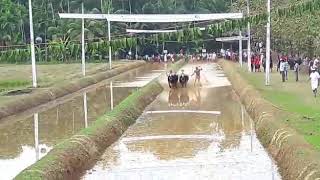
column 198, row 132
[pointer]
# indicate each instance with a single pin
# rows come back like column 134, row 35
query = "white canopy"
column 146, row 31
column 154, row 17
column 232, row 38
column 149, row 31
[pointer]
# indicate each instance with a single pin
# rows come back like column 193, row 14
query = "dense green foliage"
column 295, row 32
column 48, row 25
column 63, row 35
column 11, row 22
column 294, row 27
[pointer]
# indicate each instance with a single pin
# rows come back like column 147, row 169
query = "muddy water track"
column 27, row 137
column 193, row 133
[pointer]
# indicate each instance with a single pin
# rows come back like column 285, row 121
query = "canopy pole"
column 268, row 45
column 33, row 55
column 165, row 57
column 240, row 48
column 83, row 53
column 249, row 38
column 110, row 51
column 136, row 52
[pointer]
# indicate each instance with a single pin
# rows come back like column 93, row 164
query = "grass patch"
column 296, row 98
column 13, row 84
column 19, row 76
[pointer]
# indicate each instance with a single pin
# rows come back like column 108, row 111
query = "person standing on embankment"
column 296, row 70
column 282, row 70
column 314, row 77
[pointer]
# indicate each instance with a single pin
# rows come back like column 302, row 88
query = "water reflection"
column 197, row 100
column 173, row 98
column 111, row 95
column 27, row 137
column 229, row 151
column 36, row 134
column 28, row 155
column 178, row 98
column 225, row 128
column 184, row 97
column 85, row 110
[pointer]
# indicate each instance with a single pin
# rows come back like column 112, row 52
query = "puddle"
column 193, row 133
column 26, row 138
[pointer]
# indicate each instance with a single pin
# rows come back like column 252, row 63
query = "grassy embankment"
column 296, row 98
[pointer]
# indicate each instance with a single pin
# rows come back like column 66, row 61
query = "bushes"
column 66, row 51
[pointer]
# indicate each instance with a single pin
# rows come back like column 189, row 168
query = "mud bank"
column 70, row 158
column 295, row 157
column 42, row 96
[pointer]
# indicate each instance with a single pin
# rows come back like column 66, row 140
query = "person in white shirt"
column 214, row 56
column 314, row 77
column 229, row 54
column 223, row 53
column 282, row 69
column 315, row 63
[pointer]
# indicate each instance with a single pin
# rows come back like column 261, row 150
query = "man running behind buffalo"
column 197, row 72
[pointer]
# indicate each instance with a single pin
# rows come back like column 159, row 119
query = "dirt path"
column 193, row 133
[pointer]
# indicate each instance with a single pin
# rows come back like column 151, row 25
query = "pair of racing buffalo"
column 174, row 78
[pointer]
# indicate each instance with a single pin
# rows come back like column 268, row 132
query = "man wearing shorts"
column 197, row 72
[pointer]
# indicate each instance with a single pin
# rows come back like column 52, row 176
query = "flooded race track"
column 27, row 137
column 192, row 133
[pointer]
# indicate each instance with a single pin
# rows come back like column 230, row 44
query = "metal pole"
column 162, row 46
column 110, row 55
column 101, row 4
column 85, row 108
column 137, row 52
column 165, row 57
column 33, row 55
column 240, row 48
column 36, row 134
column 109, row 37
column 249, row 38
column 268, row 44
column 130, row 26
column 83, row 56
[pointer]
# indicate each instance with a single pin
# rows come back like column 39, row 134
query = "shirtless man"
column 197, row 73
